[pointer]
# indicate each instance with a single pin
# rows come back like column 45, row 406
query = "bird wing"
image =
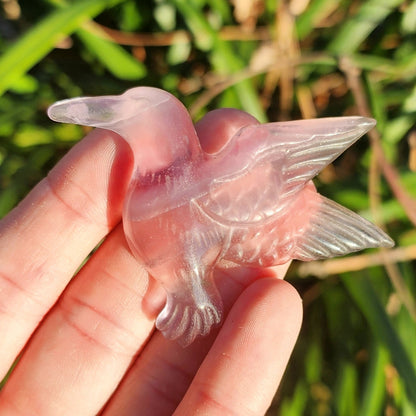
column 264, row 166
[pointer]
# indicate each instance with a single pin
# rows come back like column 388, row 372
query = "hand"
column 89, row 344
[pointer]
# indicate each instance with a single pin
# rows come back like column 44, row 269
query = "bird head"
column 135, row 116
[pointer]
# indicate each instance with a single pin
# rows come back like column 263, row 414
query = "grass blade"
column 118, row 61
column 370, row 305
column 356, row 29
column 222, row 57
column 374, row 389
column 41, row 39
column 345, row 390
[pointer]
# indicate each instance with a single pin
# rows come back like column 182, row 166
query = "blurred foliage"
column 277, row 60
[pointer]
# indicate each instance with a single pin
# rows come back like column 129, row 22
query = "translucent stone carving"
column 251, row 203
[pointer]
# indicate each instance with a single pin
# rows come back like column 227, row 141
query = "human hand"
column 89, row 344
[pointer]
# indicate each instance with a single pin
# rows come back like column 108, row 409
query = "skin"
column 87, row 343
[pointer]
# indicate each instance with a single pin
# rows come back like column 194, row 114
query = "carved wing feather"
column 264, row 165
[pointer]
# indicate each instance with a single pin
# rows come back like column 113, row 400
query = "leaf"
column 396, row 128
column 409, row 19
column 409, row 104
column 370, row 305
column 165, row 15
column 41, row 39
column 31, row 135
column 374, row 388
column 178, row 53
column 316, row 12
column 222, row 57
column 118, row 61
column 297, row 404
column 25, row 85
column 345, row 389
column 357, row 28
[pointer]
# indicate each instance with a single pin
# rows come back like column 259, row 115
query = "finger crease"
column 162, row 393
column 179, row 371
column 208, row 402
column 116, row 346
column 9, row 281
column 78, row 213
column 169, row 381
column 123, row 284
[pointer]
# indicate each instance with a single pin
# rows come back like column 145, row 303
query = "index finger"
column 46, row 237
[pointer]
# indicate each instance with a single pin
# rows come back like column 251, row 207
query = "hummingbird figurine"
column 251, row 203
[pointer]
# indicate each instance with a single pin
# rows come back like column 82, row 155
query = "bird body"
column 251, row 203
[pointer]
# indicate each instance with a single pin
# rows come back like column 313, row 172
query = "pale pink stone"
column 251, row 203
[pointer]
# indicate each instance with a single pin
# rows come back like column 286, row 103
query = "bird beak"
column 105, row 112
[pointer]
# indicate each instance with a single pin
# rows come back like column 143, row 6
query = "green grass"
column 356, row 352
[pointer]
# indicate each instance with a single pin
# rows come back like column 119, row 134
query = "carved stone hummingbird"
column 251, row 203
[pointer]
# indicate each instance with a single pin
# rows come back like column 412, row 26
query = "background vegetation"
column 277, row 60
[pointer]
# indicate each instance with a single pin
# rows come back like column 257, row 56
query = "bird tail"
column 336, row 231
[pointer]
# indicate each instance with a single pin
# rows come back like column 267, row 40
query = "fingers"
column 78, row 356
column 158, row 380
column 246, row 363
column 45, row 239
